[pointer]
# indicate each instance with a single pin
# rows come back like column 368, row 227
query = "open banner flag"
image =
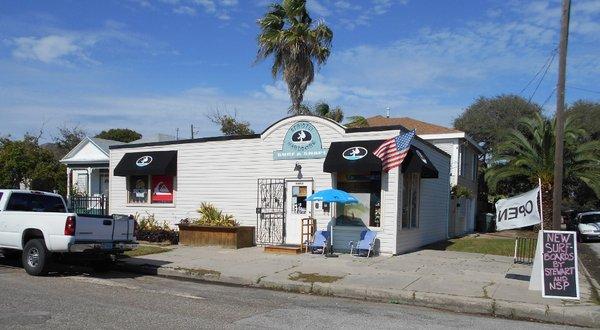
column 519, row 211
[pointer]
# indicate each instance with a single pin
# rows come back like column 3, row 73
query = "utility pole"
column 560, row 116
column 192, row 130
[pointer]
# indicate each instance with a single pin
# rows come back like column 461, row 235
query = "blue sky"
column 155, row 66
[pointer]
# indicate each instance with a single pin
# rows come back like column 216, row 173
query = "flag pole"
column 541, row 209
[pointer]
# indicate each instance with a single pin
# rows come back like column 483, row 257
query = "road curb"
column 585, row 316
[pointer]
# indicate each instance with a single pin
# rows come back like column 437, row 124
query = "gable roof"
column 420, row 126
column 102, row 145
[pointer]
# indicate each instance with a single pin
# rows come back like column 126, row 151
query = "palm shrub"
column 528, row 153
column 288, row 34
column 212, row 216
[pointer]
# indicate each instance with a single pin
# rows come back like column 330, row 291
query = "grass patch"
column 495, row 246
column 200, row 272
column 313, row 277
column 144, row 250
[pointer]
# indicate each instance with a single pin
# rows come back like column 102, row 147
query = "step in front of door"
column 283, row 249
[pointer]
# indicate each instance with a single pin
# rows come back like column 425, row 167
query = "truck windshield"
column 590, row 218
column 35, row 203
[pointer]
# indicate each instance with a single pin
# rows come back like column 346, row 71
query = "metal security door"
column 270, row 211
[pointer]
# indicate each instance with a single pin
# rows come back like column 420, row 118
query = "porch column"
column 89, row 186
column 69, row 181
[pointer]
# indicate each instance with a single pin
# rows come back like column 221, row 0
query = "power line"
column 549, row 96
column 543, row 76
column 585, row 89
column 546, row 63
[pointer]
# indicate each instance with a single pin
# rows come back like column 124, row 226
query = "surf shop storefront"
column 263, row 180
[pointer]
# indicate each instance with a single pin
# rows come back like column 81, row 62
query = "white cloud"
column 316, row 7
column 185, row 10
column 46, row 49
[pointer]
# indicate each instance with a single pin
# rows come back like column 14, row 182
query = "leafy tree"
column 357, row 121
column 528, row 153
column 68, row 138
column 586, row 114
column 487, row 119
column 26, row 162
column 288, row 34
column 324, row 110
column 119, row 134
column 230, row 125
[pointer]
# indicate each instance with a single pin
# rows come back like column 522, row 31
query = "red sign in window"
column 162, row 189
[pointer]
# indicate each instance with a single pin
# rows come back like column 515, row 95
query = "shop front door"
column 296, row 208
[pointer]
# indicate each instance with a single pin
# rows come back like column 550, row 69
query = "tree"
column 324, row 110
column 68, row 138
column 26, row 162
column 230, row 125
column 586, row 114
column 288, row 34
column 357, row 121
column 119, row 134
column 487, row 119
column 528, row 153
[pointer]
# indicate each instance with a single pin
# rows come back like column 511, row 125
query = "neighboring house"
column 87, row 167
column 464, row 153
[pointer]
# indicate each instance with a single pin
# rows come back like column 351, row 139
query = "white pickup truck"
column 39, row 225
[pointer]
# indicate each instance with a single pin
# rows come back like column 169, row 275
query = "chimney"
column 387, row 112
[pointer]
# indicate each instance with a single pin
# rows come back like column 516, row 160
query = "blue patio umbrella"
column 332, row 196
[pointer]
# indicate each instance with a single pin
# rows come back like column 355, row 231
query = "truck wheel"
column 36, row 257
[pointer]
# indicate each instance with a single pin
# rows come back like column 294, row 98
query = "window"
column 138, row 189
column 462, row 169
column 82, row 183
column 35, row 203
column 367, row 189
column 475, row 167
column 299, row 194
column 155, row 189
column 411, row 200
column 162, row 189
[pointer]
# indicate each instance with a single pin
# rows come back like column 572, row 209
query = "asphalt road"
column 589, row 254
column 75, row 299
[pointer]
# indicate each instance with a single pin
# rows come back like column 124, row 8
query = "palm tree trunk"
column 547, row 205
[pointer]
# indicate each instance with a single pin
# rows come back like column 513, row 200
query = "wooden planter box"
column 230, row 237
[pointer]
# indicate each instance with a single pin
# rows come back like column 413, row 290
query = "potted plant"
column 213, row 227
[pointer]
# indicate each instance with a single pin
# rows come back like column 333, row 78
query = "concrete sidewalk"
column 456, row 281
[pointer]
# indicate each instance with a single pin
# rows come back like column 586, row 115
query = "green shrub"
column 212, row 216
column 149, row 229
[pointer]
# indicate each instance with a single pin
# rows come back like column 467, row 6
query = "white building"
column 87, row 167
column 263, row 181
column 464, row 153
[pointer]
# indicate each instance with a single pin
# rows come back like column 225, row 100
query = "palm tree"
column 528, row 153
column 289, row 35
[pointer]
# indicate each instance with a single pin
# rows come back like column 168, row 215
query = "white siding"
column 226, row 172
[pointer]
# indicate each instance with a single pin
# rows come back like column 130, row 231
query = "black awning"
column 417, row 161
column 352, row 156
column 148, row 163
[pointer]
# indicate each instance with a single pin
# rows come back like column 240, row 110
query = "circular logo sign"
column 301, row 137
column 354, row 153
column 421, row 156
column 143, row 161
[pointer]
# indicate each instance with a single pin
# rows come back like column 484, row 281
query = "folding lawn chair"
column 365, row 244
column 319, row 241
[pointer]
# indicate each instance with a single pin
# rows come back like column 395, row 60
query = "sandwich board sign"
column 560, row 278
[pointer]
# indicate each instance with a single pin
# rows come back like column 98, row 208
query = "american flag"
column 393, row 151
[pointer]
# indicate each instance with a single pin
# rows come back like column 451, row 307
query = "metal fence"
column 93, row 205
column 524, row 250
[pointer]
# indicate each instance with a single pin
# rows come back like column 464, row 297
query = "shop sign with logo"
column 143, row 161
column 302, row 141
column 162, row 189
column 354, row 153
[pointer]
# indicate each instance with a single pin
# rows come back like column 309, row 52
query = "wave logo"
column 354, row 153
column 144, row 161
column 301, row 137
